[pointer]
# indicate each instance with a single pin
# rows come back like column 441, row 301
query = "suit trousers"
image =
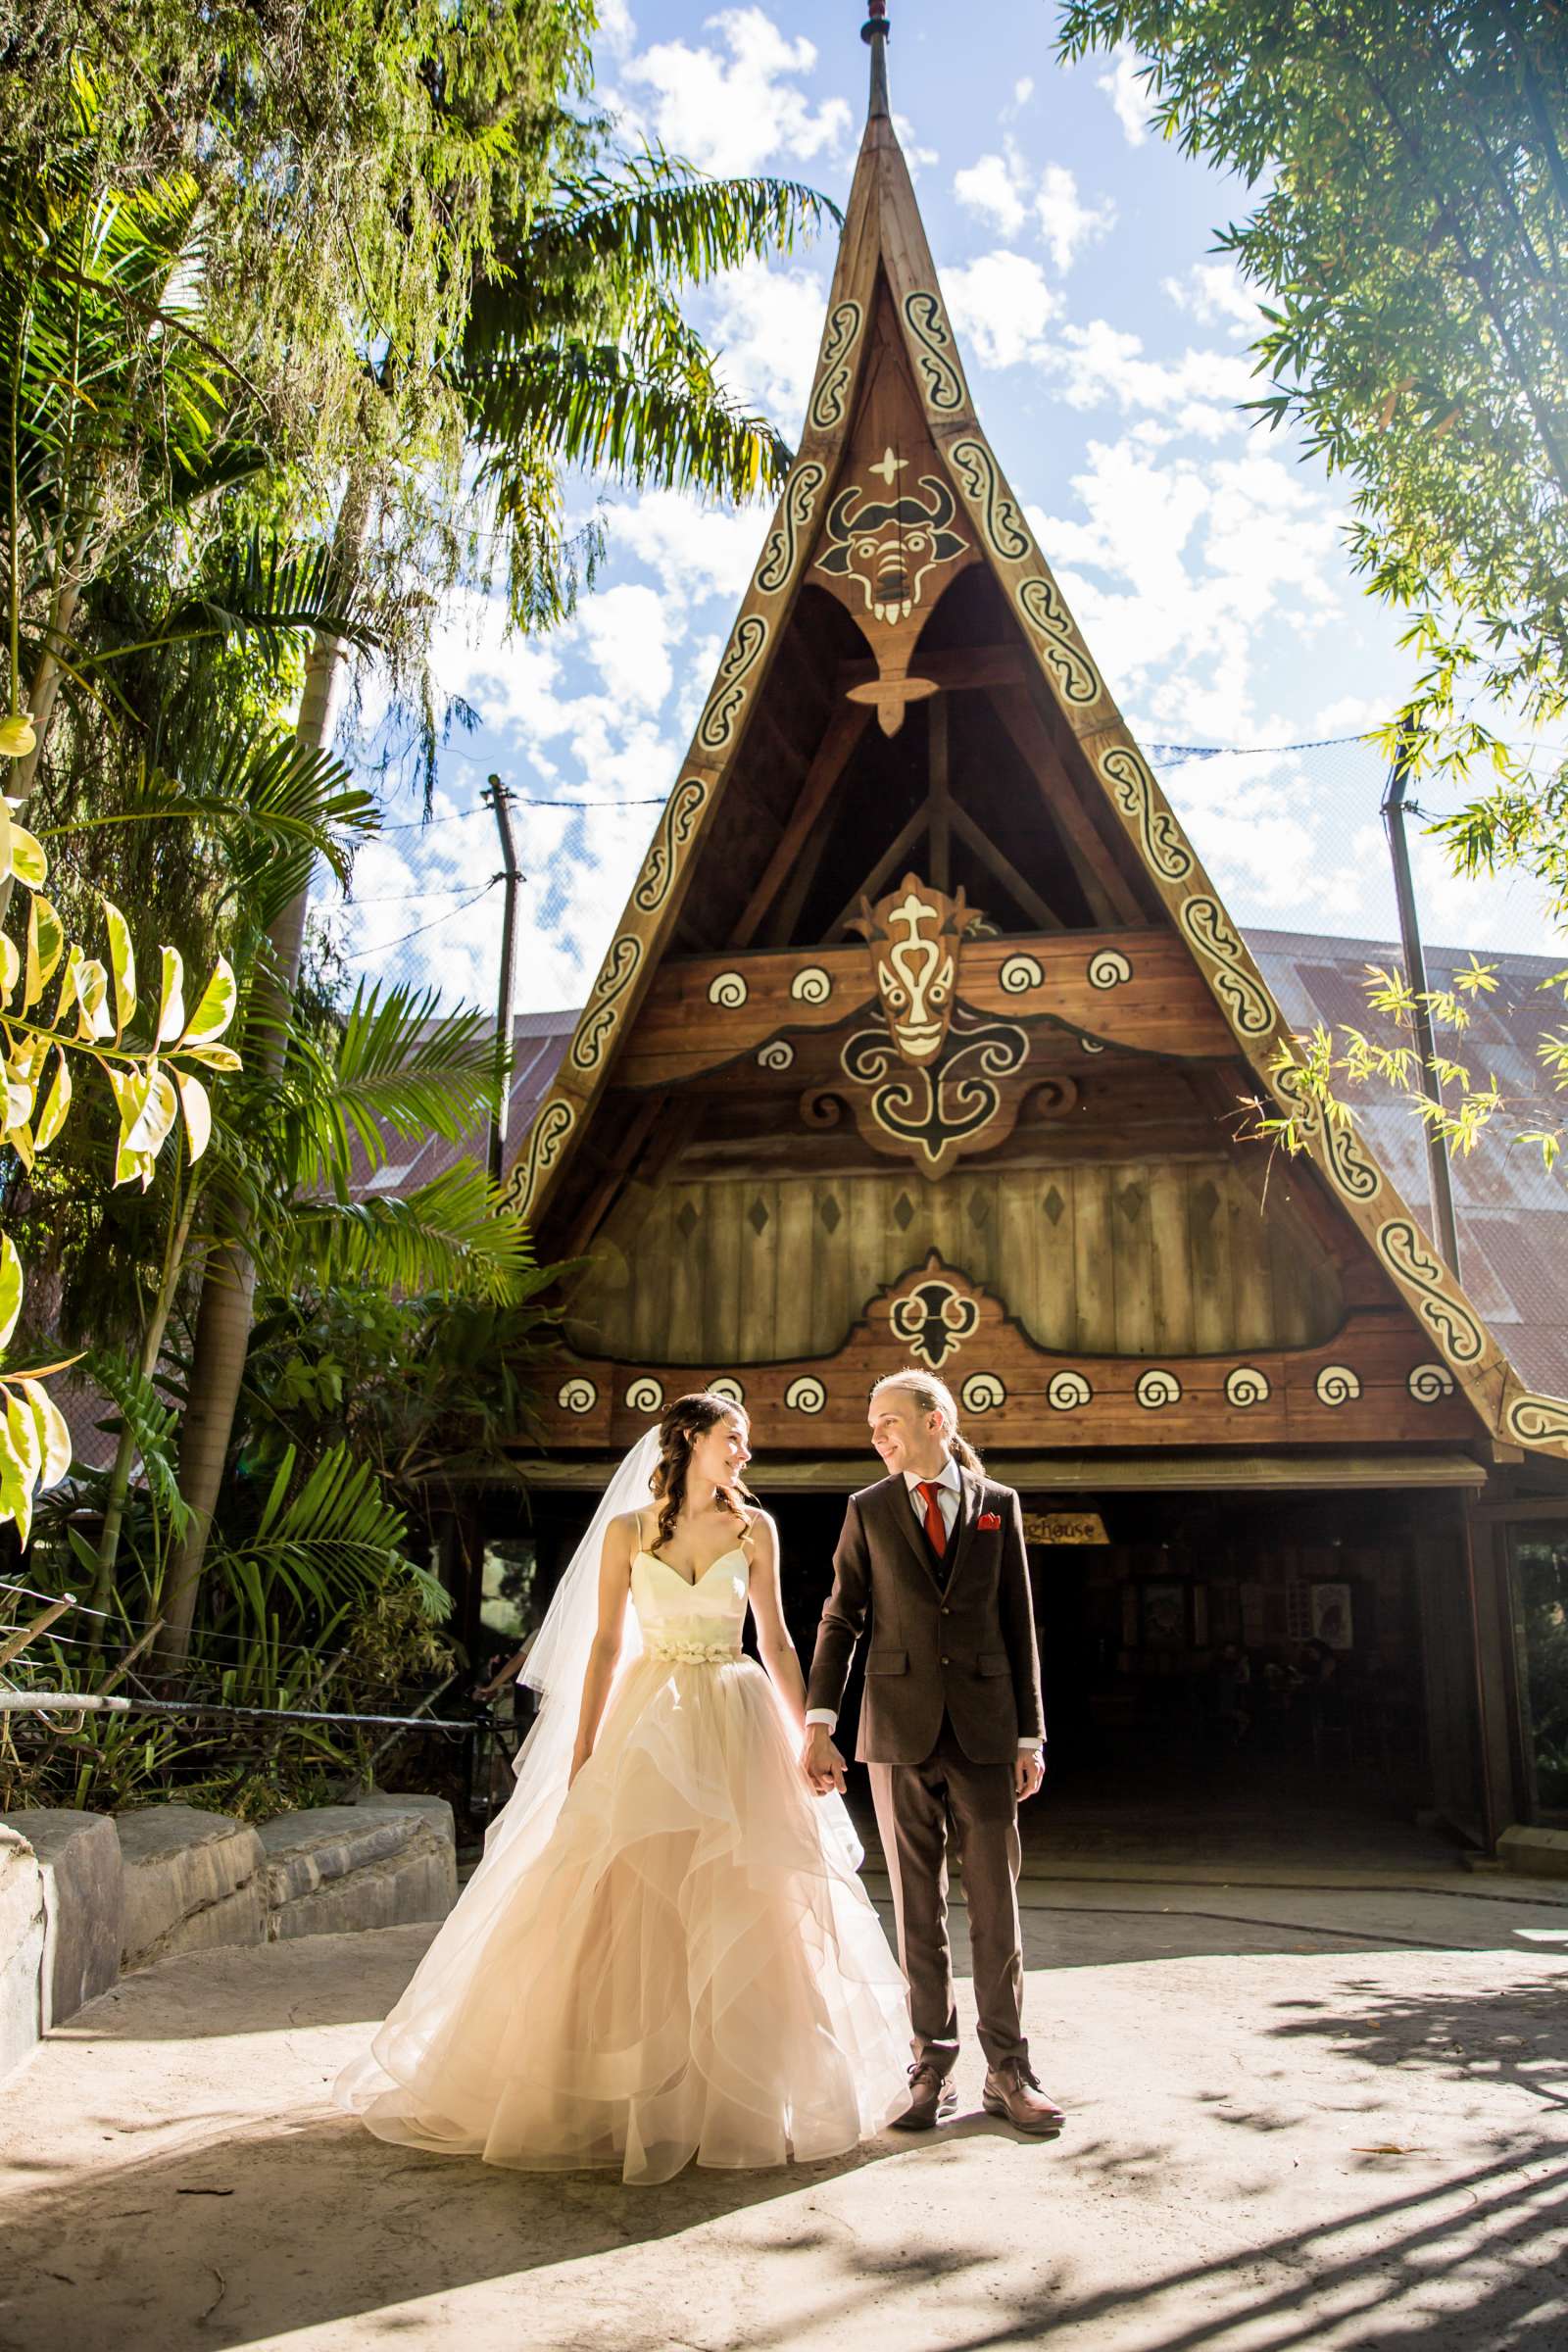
column 914, row 1806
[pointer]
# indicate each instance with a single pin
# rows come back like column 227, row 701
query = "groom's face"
column 906, row 1438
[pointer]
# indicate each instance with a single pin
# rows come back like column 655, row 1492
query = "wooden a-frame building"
column 924, row 1036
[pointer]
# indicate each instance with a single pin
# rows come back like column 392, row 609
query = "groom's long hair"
column 933, row 1396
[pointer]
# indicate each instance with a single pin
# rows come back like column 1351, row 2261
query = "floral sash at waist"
column 689, row 1650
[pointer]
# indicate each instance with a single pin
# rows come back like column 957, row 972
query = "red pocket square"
column 989, row 1519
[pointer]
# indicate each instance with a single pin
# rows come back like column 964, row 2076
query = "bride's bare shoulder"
column 627, row 1527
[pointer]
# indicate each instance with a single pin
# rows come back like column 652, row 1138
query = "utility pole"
column 500, row 800
column 1440, row 1175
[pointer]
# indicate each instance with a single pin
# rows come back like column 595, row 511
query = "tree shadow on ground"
column 1516, row 2034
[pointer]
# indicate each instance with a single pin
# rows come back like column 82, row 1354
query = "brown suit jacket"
column 955, row 1637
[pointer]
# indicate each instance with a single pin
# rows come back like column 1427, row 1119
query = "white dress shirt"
column 949, row 1501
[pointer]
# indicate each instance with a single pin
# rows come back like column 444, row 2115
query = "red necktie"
column 936, row 1532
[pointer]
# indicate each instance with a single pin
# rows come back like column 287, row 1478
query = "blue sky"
column 1105, row 346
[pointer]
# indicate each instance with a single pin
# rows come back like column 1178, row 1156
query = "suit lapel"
column 963, row 1526
column 902, row 1511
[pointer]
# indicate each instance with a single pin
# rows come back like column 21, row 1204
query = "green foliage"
column 1407, row 246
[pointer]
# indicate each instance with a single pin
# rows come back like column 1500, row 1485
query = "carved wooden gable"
column 918, row 922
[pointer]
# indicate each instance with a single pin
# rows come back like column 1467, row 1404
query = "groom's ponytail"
column 933, row 1396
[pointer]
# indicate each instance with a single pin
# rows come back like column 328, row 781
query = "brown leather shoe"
column 1013, row 2091
column 931, row 2100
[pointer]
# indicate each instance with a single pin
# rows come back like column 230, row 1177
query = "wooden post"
column 15, row 1641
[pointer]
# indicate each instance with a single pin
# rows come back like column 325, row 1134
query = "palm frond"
column 593, row 408
column 451, row 1236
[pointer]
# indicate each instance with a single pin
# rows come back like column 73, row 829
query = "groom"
column 932, row 1560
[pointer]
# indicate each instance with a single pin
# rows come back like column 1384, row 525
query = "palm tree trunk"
column 223, row 1317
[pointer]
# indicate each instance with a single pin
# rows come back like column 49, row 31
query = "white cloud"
column 1212, row 293
column 1101, row 366
column 1003, row 305
column 615, row 30
column 1023, row 89
column 1066, row 222
column 918, row 157
column 766, row 325
column 693, row 550
column 626, row 632
column 732, row 108
column 1127, row 92
column 989, row 187
column 1003, row 191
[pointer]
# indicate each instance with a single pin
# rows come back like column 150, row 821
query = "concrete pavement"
column 1333, row 2117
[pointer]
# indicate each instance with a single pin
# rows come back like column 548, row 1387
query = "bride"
column 665, row 1953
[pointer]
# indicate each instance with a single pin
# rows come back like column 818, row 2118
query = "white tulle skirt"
column 686, row 1968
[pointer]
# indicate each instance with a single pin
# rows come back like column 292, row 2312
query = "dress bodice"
column 694, row 1624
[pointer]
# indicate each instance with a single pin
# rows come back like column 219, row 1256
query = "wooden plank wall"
column 1132, row 1257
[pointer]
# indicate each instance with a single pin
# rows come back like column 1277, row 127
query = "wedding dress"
column 682, row 1964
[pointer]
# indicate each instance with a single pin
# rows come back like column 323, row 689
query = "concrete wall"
column 83, row 1897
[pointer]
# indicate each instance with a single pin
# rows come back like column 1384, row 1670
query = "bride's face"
column 721, row 1453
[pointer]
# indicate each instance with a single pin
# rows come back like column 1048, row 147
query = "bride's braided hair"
column 688, row 1419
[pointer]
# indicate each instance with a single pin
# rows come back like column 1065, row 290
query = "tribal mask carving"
column 888, row 544
column 913, row 935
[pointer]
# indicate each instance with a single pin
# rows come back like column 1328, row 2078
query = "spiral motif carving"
column 1109, row 969
column 1538, row 1420
column 727, row 1387
column 1132, row 788
column 1339, row 1146
column 1337, row 1385
column 835, row 369
column 1417, row 1271
column 646, row 1395
column 1067, row 1392
column 935, row 363
column 546, row 1137
column 805, row 1394
column 1203, row 918
column 982, row 487
column 717, row 726
column 811, row 984
column 728, row 991
column 1156, row 1388
column 676, row 829
column 795, row 509
column 579, row 1395
column 1428, row 1383
column 983, row 1392
column 1246, row 1387
column 1092, row 1045
column 598, row 1023
column 1067, row 662
column 778, row 1055
column 1020, row 973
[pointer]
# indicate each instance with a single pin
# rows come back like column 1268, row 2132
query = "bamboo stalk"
column 15, row 1641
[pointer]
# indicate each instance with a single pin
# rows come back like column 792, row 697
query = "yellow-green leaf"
column 215, row 1010
column 28, row 860
column 56, row 1104
column 18, row 1103
column 16, row 1490
column 198, row 1111
column 5, row 839
column 122, row 963
column 213, row 1057
column 46, row 941
column 160, row 1108
column 11, row 1287
column 23, row 1430
column 93, row 1018
column 10, row 967
column 132, row 1168
column 172, row 999
column 54, row 1435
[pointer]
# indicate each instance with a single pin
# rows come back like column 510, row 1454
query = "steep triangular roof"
column 884, row 274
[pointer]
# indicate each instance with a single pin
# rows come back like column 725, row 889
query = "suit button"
column 947, row 1662
column 946, row 1611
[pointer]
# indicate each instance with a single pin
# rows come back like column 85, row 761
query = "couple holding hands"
column 666, row 1953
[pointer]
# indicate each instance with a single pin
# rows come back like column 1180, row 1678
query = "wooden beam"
column 954, row 668
column 1111, row 897
column 638, row 1126
column 941, row 849
column 1005, row 871
column 886, row 867
column 843, row 731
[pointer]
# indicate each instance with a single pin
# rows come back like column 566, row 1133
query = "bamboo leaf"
column 122, row 963
column 172, row 996
column 11, row 1289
